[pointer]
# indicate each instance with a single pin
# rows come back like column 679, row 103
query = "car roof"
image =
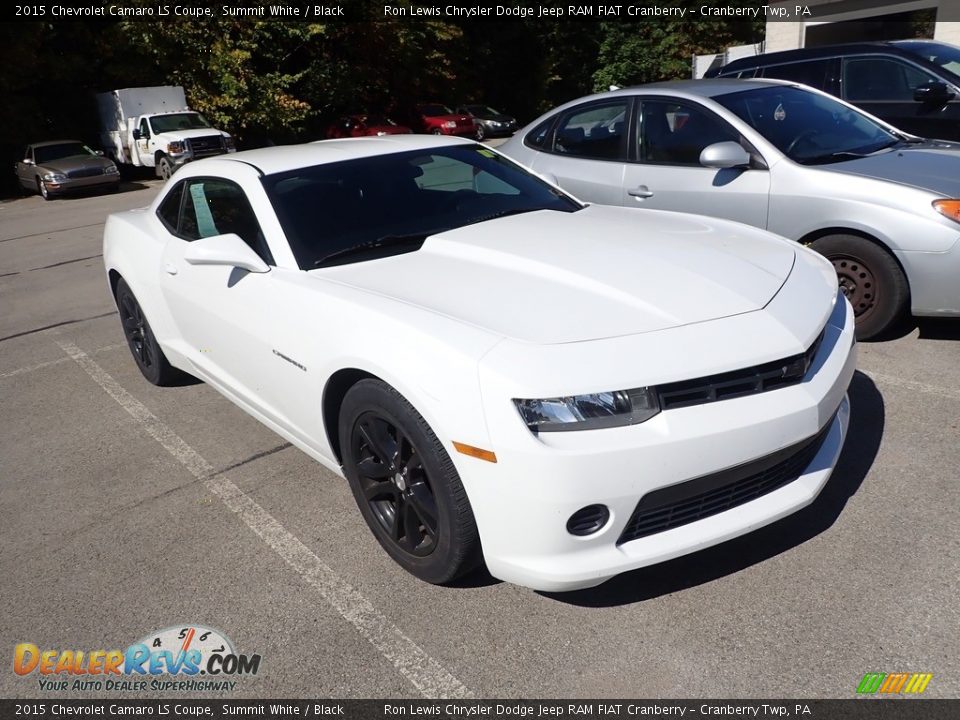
column 281, row 158
column 824, row 51
column 710, row 87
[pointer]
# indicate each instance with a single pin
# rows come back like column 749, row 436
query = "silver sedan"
column 882, row 205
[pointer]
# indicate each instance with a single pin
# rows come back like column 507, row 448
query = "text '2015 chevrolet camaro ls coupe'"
column 502, row 373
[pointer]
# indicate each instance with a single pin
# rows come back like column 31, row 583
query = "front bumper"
column 523, row 502
column 77, row 184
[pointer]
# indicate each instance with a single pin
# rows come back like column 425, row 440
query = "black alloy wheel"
column 395, row 484
column 870, row 279
column 143, row 345
column 405, row 484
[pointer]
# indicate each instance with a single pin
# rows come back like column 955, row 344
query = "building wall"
column 790, row 35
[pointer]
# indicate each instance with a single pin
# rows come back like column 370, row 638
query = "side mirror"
column 27, row 161
column 932, row 92
column 724, row 155
column 99, row 152
column 136, row 133
column 228, row 250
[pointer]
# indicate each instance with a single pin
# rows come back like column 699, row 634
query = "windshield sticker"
column 780, row 114
column 485, row 153
column 206, row 227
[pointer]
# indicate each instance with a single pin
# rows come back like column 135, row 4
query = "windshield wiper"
column 848, row 154
column 504, row 213
column 380, row 242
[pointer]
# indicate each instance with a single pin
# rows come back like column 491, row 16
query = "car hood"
column 184, row 134
column 76, row 162
column 551, row 277
column 933, row 165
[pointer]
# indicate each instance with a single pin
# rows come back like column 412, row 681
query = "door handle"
column 640, row 192
column 170, row 269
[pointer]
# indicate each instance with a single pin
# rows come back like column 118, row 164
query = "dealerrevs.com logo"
column 184, row 658
column 894, row 683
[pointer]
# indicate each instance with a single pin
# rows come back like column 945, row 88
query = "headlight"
column 948, row 208
column 229, row 144
column 590, row 412
column 449, row 124
column 110, row 169
column 55, row 177
column 177, row 147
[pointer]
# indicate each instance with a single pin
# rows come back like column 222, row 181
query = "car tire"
column 406, row 485
column 141, row 341
column 870, row 278
column 42, row 190
column 165, row 168
column 437, row 131
column 481, row 133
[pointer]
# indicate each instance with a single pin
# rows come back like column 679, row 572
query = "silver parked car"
column 60, row 166
column 882, row 205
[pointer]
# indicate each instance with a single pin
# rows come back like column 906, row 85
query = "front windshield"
column 482, row 110
column 326, row 209
column 50, row 153
column 435, row 110
column 946, row 56
column 178, row 121
column 807, row 127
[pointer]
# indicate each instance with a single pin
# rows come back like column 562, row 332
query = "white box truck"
column 153, row 127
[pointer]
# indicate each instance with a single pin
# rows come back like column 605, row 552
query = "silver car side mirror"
column 725, row 155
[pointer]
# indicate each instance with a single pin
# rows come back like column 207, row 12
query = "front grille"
column 206, row 146
column 85, row 172
column 738, row 383
column 696, row 499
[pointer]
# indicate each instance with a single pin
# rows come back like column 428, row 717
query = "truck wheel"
column 42, row 189
column 870, row 278
column 164, row 169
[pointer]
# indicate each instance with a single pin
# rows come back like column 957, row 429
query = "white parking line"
column 60, row 361
column 913, row 385
column 425, row 673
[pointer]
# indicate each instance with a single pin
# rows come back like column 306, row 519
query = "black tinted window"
column 169, row 210
column 880, row 78
column 328, row 208
column 212, row 206
column 810, row 72
column 676, row 133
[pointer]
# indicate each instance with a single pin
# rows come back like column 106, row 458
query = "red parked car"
column 441, row 120
column 365, row 125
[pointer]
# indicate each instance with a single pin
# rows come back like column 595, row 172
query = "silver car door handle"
column 170, row 268
column 640, row 192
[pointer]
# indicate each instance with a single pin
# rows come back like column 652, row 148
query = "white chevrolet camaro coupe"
column 502, row 373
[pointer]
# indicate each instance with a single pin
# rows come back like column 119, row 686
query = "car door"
column 225, row 316
column 142, row 144
column 884, row 86
column 587, row 151
column 24, row 169
column 667, row 175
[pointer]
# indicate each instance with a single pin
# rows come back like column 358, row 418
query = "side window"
column 537, row 138
column 881, row 78
column 675, row 133
column 144, row 129
column 597, row 131
column 811, row 72
column 169, row 210
column 212, row 206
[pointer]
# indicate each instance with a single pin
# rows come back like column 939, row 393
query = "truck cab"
column 168, row 140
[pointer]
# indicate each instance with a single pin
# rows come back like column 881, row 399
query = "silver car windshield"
column 808, row 128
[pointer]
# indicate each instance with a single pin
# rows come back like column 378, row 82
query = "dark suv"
column 912, row 84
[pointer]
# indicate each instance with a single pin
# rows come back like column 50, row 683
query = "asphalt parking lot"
column 126, row 508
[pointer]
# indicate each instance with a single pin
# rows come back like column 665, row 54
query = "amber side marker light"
column 948, row 208
column 476, row 452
